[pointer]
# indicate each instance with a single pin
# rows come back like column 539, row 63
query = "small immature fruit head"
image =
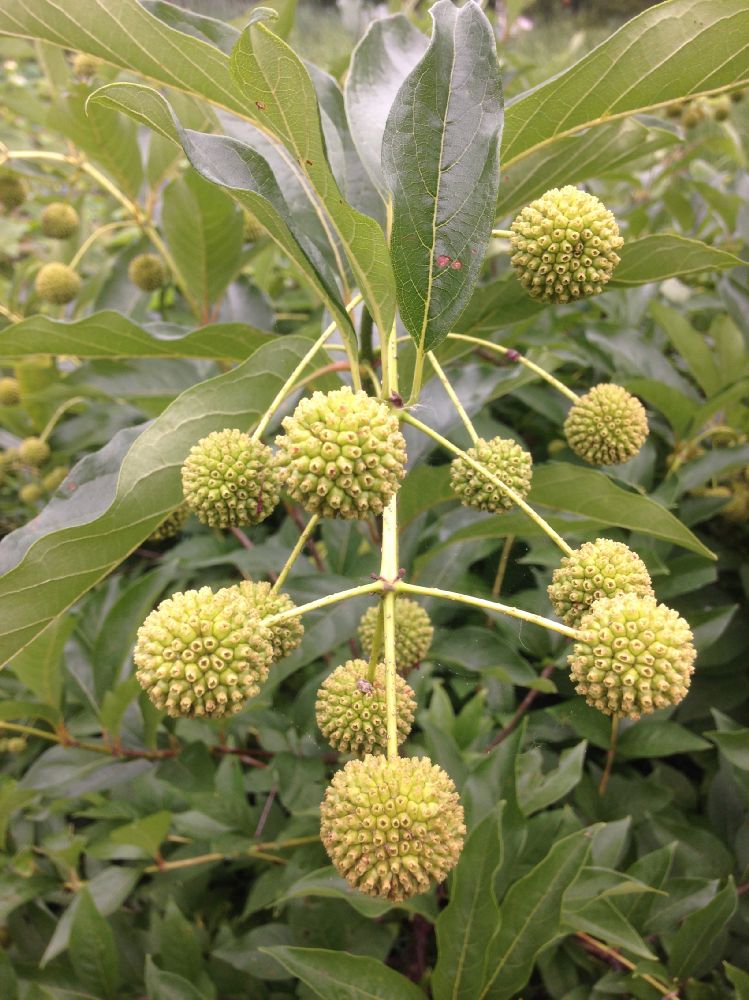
column 634, row 656
column 606, row 426
column 565, row 244
column 413, row 633
column 10, row 391
column 392, row 828
column 343, row 454
column 352, row 711
column 506, row 460
column 85, row 66
column 229, row 480
column 285, row 636
column 54, row 478
column 33, row 451
column 59, row 220
column 721, row 108
column 30, row 493
column 57, row 284
column 202, row 654
column 12, row 190
column 146, row 271
column 171, row 526
column 253, row 228
column 597, row 569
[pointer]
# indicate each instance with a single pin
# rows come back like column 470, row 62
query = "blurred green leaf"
column 147, row 833
column 345, row 977
column 39, row 666
column 692, row 942
column 658, row 738
column 93, row 952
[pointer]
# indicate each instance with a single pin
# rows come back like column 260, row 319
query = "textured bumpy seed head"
column 146, row 271
column 634, row 656
column 413, row 632
column 253, row 228
column 171, row 526
column 392, row 827
column 352, row 711
column 285, row 636
column 229, row 480
column 606, row 426
column 10, row 391
column 342, row 455
column 12, row 191
column 57, row 284
column 30, row 493
column 565, row 244
column 59, row 220
column 85, row 66
column 597, row 569
column 506, row 460
column 202, row 654
column 33, row 451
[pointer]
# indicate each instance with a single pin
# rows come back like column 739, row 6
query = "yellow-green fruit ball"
column 414, row 632
column 253, row 229
column 564, row 245
column 12, row 191
column 692, row 115
column 229, row 480
column 202, row 654
column 147, row 272
column 506, row 460
column 392, row 828
column 10, row 391
column 33, row 451
column 606, row 426
column 31, row 493
column 597, row 569
column 57, row 284
column 54, row 478
column 721, row 108
column 286, row 635
column 343, row 454
column 634, row 656
column 85, row 66
column 352, row 710
column 171, row 526
column 59, row 220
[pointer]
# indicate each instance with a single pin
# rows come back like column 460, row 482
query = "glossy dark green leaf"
column 695, row 936
column 93, row 952
column 537, row 789
column 658, row 738
column 334, row 975
column 163, row 985
column 147, row 833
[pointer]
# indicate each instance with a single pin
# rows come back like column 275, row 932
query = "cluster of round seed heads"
column 59, row 220
column 286, row 635
column 564, row 245
column 229, row 480
column 506, row 460
column 202, row 654
column 343, row 454
column 171, row 526
column 597, row 569
column 147, row 272
column 633, row 656
column 392, row 828
column 57, row 284
column 414, row 633
column 606, row 426
column 352, row 710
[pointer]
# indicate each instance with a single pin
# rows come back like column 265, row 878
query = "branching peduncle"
column 96, row 235
column 294, row 554
column 447, row 385
column 323, row 602
column 376, row 644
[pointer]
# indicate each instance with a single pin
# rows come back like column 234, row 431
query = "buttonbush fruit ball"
column 57, row 284
column 30, row 493
column 504, row 458
column 352, row 711
column 286, row 635
column 85, row 66
column 202, row 654
column 171, row 526
column 147, row 272
column 10, row 391
column 229, row 480
column 342, row 455
column 392, row 828
column 59, row 220
column 33, row 451
column 414, row 632
column 597, row 569
column 253, row 229
column 606, row 426
column 634, row 656
column 12, row 191
column 564, row 246
column 55, row 477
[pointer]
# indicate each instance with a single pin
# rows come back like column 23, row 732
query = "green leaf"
column 530, row 916
column 114, row 705
column 658, row 738
column 93, row 953
column 466, row 924
column 440, row 156
column 325, row 883
column 335, row 975
column 11, row 710
column 737, row 978
column 535, row 789
column 734, row 745
column 110, row 335
column 602, row 918
column 8, row 979
column 217, row 33
column 39, row 666
column 691, row 344
column 147, row 833
column 180, row 949
column 655, row 258
column 122, row 493
column 676, row 49
column 498, row 304
column 389, row 50
column 694, row 938
column 12, row 798
column 275, row 80
column 168, row 985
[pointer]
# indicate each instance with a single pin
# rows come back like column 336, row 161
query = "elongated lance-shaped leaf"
column 243, row 172
column 275, row 80
column 440, row 156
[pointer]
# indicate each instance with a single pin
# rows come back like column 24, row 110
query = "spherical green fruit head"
column 606, row 426
column 57, row 284
column 414, row 633
column 33, row 451
column 504, row 459
column 59, row 220
column 10, row 391
column 12, row 191
column 146, row 271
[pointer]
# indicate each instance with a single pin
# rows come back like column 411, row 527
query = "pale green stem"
column 301, row 542
column 521, row 360
column 369, row 370
column 446, row 384
column 389, row 574
column 13, row 317
column 97, row 233
column 500, row 609
column 418, row 377
column 516, row 499
column 610, row 756
column 323, row 602
column 376, row 644
column 506, row 234
column 62, row 409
